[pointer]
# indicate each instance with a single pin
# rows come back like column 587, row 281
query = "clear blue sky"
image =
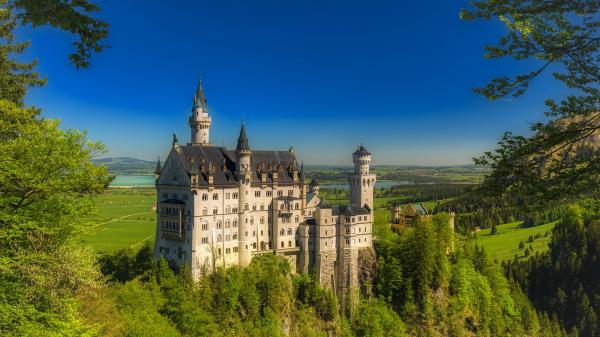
column 320, row 75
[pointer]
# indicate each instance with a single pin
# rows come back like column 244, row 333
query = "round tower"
column 200, row 120
column 361, row 181
column 245, row 239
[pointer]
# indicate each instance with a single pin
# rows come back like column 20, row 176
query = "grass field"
column 505, row 244
column 125, row 219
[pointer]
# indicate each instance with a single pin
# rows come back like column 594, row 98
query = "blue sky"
column 323, row 76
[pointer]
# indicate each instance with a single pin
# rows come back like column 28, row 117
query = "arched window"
column 219, row 238
column 227, row 223
column 262, row 219
column 215, row 211
column 205, row 196
column 289, row 243
column 254, row 245
column 215, row 196
column 219, row 225
column 252, row 220
column 246, row 207
column 281, row 232
column 282, row 244
column 297, row 206
column 204, row 211
column 234, row 223
column 289, row 231
column 227, row 209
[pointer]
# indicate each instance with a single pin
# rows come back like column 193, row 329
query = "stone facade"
column 221, row 207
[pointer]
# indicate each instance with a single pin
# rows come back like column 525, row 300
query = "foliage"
column 564, row 281
column 560, row 159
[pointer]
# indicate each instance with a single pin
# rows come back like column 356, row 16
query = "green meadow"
column 125, row 219
column 505, row 244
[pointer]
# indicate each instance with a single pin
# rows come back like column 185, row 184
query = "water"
column 378, row 184
column 132, row 181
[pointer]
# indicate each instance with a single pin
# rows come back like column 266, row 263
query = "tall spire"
column 158, row 167
column 302, row 172
column 242, row 144
column 200, row 121
column 200, row 99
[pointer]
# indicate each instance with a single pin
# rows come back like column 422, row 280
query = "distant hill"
column 127, row 165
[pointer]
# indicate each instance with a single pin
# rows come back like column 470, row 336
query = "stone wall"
column 326, row 267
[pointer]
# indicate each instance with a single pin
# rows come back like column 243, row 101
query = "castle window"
column 282, row 244
column 246, row 233
column 254, row 207
column 205, row 240
column 289, row 231
column 290, row 193
column 280, row 193
column 227, row 250
column 347, row 241
column 257, row 194
column 219, row 237
column 227, row 237
column 215, row 196
column 262, row 219
column 246, row 207
column 262, row 207
column 296, row 218
column 252, row 220
column 269, row 193
column 204, row 211
column 234, row 195
column 235, row 249
column 325, row 232
column 254, row 245
column 282, row 232
column 227, row 209
column 227, row 195
column 219, row 224
column 204, row 226
column 219, row 252
column 289, row 243
column 234, row 223
column 235, row 236
column 204, row 196
column 325, row 243
column 359, row 229
column 227, row 223
column 297, row 206
column 215, row 211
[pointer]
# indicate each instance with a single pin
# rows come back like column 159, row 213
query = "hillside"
column 127, row 165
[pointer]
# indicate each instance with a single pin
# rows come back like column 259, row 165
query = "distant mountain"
column 127, row 165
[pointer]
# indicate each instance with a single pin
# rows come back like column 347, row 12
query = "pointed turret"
column 200, row 120
column 302, row 173
column 158, row 169
column 199, row 100
column 242, row 143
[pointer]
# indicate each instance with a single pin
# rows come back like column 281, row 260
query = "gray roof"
column 199, row 99
column 353, row 210
column 158, row 167
column 314, row 182
column 219, row 160
column 420, row 208
column 362, row 151
column 242, row 144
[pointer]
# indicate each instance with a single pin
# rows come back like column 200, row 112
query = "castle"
column 221, row 207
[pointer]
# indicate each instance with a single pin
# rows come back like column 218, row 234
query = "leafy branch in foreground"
column 560, row 159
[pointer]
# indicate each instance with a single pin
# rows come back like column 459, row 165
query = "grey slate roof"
column 353, row 210
column 158, row 168
column 199, row 99
column 197, row 158
column 362, row 151
column 420, row 208
column 314, row 182
column 242, row 144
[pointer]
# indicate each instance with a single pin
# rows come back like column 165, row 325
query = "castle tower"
column 200, row 120
column 361, row 181
column 243, row 154
column 314, row 186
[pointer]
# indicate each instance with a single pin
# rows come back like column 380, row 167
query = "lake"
column 132, row 181
column 148, row 181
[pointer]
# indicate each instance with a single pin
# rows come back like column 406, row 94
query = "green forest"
column 426, row 280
